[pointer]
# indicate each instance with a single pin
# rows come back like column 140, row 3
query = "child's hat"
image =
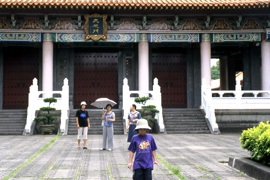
column 142, row 124
column 83, row 103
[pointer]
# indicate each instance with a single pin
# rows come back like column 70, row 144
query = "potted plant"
column 149, row 113
column 47, row 118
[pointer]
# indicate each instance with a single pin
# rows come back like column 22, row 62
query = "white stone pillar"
column 47, row 63
column 265, row 50
column 143, row 63
column 206, row 59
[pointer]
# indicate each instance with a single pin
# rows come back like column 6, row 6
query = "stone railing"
column 208, row 106
column 35, row 102
column 154, row 100
column 237, row 99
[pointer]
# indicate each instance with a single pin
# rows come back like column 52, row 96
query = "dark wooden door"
column 21, row 66
column 170, row 69
column 95, row 76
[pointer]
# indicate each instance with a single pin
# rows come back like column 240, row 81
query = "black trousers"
column 142, row 174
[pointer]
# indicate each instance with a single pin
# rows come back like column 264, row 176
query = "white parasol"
column 102, row 102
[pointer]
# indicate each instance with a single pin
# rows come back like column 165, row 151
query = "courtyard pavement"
column 198, row 156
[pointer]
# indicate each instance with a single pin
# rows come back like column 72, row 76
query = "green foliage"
column 47, row 118
column 48, row 109
column 173, row 169
column 50, row 100
column 40, row 119
column 149, row 107
column 141, row 99
column 148, row 113
column 215, row 73
column 150, row 119
column 154, row 110
column 257, row 141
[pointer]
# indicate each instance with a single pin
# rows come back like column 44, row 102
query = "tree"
column 215, row 71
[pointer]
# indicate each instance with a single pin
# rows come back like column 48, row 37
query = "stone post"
column 126, row 100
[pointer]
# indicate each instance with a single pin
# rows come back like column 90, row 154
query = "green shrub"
column 47, row 118
column 257, row 141
column 150, row 119
column 48, row 109
column 50, row 100
column 141, row 99
column 154, row 110
column 148, row 113
column 149, row 107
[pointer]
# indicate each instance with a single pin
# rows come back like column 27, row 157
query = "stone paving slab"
column 199, row 156
column 202, row 156
column 15, row 150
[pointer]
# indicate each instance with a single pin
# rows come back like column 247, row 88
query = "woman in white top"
column 133, row 117
column 109, row 118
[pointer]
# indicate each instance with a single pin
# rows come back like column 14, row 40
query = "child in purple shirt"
column 145, row 147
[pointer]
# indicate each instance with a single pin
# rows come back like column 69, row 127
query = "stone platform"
column 198, row 156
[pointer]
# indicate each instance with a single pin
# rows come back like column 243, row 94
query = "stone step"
column 95, row 133
column 182, row 110
column 97, row 130
column 189, row 132
column 8, row 111
column 96, row 112
column 12, row 122
column 4, row 115
column 12, row 126
column 95, row 118
column 11, row 132
column 184, row 121
column 179, row 119
column 94, row 124
column 186, row 126
column 182, row 115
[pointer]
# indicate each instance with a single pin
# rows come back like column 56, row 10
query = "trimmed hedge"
column 141, row 99
column 257, row 141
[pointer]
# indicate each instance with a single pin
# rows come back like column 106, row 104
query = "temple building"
column 173, row 41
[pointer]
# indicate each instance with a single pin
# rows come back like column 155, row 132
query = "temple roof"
column 199, row 4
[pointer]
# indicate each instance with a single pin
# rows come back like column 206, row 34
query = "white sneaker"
column 109, row 149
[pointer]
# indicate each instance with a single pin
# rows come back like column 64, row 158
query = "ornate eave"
column 123, row 6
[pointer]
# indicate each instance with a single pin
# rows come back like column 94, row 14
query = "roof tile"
column 179, row 3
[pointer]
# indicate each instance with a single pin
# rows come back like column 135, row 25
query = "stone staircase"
column 12, row 122
column 95, row 121
column 184, row 121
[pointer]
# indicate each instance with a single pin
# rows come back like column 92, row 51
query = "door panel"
column 95, row 76
column 170, row 69
column 21, row 66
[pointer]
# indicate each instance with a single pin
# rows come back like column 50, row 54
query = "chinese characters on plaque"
column 95, row 27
